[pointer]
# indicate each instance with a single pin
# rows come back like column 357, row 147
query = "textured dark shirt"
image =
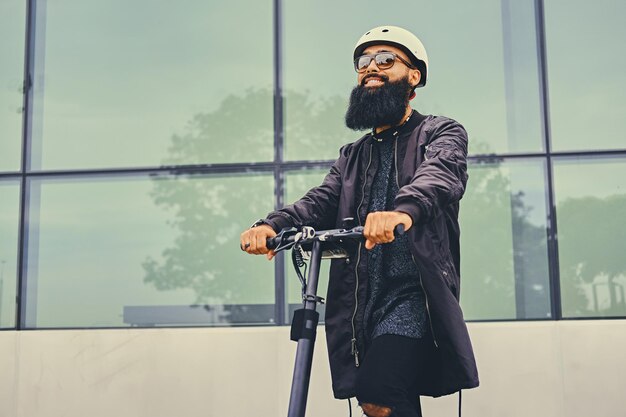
column 395, row 303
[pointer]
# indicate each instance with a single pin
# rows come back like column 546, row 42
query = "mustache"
column 368, row 76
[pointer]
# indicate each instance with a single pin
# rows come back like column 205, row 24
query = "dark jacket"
column 432, row 173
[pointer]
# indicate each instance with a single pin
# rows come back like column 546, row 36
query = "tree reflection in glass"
column 592, row 262
column 503, row 242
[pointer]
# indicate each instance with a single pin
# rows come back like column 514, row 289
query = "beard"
column 372, row 107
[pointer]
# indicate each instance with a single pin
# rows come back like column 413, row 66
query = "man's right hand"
column 254, row 240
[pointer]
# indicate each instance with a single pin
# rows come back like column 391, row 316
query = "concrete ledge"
column 546, row 369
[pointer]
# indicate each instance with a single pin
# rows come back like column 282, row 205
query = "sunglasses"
column 383, row 60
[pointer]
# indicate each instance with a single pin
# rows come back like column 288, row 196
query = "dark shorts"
column 388, row 374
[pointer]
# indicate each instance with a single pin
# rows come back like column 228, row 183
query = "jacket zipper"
column 432, row 331
column 354, row 348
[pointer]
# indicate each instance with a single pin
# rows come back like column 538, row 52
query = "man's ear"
column 415, row 77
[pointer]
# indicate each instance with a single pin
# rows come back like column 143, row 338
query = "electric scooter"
column 314, row 245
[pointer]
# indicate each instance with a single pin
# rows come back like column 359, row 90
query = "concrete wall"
column 538, row 369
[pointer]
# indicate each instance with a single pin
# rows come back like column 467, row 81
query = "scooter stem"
column 304, row 352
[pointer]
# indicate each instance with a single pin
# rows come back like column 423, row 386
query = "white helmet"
column 400, row 38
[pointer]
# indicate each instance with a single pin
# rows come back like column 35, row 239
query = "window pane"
column 9, row 227
column 504, row 265
column 12, row 21
column 296, row 185
column 137, row 251
column 591, row 208
column 153, row 82
column 586, row 73
column 483, row 70
column 504, row 252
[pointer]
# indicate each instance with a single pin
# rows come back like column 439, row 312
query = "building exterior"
column 138, row 139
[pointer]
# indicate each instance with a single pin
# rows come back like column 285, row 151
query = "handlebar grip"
column 398, row 231
column 271, row 243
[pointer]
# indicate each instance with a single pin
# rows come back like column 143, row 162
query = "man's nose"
column 372, row 67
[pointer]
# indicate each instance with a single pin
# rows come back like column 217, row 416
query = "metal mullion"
column 591, row 153
column 10, row 175
column 27, row 122
column 296, row 167
column 497, row 158
column 279, row 192
column 172, row 170
column 552, row 233
column 585, row 157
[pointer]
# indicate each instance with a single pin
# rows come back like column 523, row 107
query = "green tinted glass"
column 12, row 20
column 591, row 208
column 9, row 226
column 586, row 73
column 484, row 74
column 504, row 264
column 503, row 247
column 136, row 251
column 151, row 83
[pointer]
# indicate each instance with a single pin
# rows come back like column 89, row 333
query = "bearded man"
column 394, row 326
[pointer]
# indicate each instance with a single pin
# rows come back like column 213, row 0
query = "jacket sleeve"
column 441, row 177
column 319, row 205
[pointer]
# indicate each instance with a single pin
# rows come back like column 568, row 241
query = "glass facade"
column 12, row 21
column 159, row 84
column 9, row 221
column 587, row 92
column 504, row 243
column 153, row 137
column 124, row 249
column 495, row 92
column 591, row 206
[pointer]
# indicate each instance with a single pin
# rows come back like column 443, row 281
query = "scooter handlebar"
column 287, row 235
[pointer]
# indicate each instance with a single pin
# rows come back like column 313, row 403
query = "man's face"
column 381, row 96
column 374, row 77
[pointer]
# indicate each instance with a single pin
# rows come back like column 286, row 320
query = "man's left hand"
column 380, row 225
